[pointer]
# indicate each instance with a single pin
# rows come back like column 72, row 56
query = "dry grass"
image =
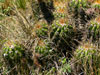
column 44, row 55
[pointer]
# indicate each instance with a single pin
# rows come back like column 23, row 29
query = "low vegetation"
column 49, row 37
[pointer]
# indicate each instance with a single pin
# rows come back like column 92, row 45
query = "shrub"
column 87, row 59
column 14, row 52
column 94, row 32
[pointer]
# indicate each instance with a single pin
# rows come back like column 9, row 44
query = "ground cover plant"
column 49, row 37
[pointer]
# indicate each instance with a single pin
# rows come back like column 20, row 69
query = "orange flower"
column 97, row 2
column 8, row 43
column 38, row 26
column 98, row 19
column 41, row 43
column 61, row 10
column 62, row 22
column 91, row 1
column 86, row 46
column 56, row 3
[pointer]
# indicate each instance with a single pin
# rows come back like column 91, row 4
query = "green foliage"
column 0, row 9
column 97, row 6
column 59, row 15
column 7, row 10
column 66, row 67
column 2, row 1
column 14, row 52
column 88, row 59
column 82, row 53
column 58, row 29
column 45, row 50
column 42, row 31
column 21, row 3
column 51, row 46
column 78, row 4
column 63, row 61
column 94, row 31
